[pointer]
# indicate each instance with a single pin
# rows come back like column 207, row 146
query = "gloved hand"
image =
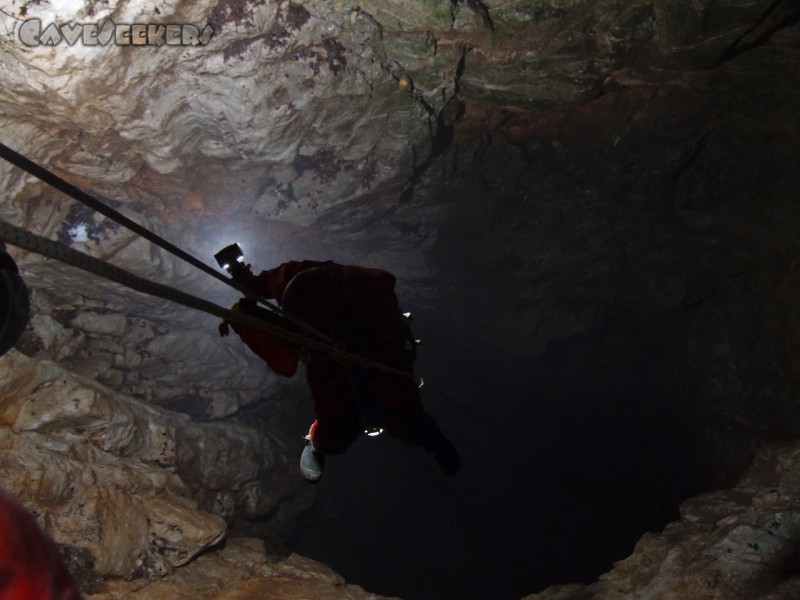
column 224, row 328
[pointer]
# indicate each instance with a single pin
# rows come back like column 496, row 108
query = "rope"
column 76, row 193
column 58, row 251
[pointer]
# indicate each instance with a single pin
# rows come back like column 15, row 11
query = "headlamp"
column 231, row 258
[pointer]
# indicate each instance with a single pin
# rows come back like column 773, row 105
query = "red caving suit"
column 357, row 308
column 30, row 565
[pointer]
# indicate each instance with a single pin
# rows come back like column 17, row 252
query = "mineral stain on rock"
column 84, row 225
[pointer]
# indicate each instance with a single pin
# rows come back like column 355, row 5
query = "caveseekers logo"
column 91, row 34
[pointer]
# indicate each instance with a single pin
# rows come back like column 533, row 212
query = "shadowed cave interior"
column 569, row 455
column 590, row 208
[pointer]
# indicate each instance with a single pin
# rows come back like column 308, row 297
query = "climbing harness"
column 58, row 251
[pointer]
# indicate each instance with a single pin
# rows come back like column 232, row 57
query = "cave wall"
column 633, row 236
column 734, row 543
column 601, row 194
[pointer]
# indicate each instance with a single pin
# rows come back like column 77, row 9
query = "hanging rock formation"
column 590, row 204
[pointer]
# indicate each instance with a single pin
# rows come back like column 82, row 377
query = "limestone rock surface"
column 241, row 571
column 142, row 489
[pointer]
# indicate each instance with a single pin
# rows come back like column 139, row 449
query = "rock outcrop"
column 737, row 543
column 141, row 489
column 243, row 570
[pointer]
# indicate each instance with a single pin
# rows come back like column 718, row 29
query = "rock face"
column 590, row 204
column 141, row 489
column 737, row 543
column 242, row 571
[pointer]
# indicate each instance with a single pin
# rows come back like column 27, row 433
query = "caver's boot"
column 312, row 461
